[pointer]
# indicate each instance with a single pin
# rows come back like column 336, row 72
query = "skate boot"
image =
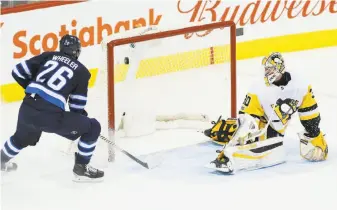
column 85, row 172
column 222, row 163
column 8, row 166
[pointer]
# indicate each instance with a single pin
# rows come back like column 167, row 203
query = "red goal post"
column 164, row 34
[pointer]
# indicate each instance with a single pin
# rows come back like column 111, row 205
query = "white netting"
column 169, row 75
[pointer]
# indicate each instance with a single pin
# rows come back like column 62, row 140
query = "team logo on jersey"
column 285, row 108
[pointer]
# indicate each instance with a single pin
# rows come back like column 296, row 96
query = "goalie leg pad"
column 313, row 149
column 263, row 155
column 251, row 156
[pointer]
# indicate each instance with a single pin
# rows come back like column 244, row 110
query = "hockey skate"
column 8, row 166
column 85, row 172
column 221, row 163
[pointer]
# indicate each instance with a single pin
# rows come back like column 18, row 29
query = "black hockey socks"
column 9, row 150
column 86, row 150
column 87, row 142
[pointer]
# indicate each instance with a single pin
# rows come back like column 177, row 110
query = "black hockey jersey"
column 56, row 78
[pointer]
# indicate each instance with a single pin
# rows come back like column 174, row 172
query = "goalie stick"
column 144, row 164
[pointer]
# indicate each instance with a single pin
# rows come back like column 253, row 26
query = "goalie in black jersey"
column 50, row 80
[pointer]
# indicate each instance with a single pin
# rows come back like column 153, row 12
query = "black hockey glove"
column 84, row 113
column 22, row 82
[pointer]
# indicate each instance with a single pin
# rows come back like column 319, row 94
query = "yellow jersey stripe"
column 309, row 117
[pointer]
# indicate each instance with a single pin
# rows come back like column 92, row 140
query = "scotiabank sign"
column 26, row 41
column 253, row 12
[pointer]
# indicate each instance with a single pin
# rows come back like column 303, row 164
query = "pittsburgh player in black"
column 50, row 80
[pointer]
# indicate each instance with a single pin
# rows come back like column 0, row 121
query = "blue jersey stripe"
column 77, row 102
column 22, row 71
column 45, row 95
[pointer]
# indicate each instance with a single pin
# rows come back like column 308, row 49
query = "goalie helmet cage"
column 158, row 35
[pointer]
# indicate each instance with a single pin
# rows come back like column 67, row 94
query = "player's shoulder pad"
column 84, row 70
column 42, row 56
column 256, row 86
column 301, row 81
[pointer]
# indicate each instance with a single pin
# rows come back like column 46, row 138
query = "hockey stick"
column 144, row 164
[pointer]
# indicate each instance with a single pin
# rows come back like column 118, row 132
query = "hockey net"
column 169, row 74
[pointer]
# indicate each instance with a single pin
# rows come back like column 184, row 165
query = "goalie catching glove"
column 222, row 131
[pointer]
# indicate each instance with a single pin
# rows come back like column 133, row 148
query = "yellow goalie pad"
column 313, row 149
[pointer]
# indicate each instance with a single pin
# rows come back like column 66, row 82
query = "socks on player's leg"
column 9, row 151
column 86, row 150
column 86, row 145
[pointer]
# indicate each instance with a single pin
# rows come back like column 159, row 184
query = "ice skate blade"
column 84, row 179
column 223, row 170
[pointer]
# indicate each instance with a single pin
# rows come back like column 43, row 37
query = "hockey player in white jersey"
column 255, row 138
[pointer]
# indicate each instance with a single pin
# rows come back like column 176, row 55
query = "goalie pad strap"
column 266, row 148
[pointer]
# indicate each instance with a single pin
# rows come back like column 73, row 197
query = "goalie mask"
column 273, row 67
column 222, row 131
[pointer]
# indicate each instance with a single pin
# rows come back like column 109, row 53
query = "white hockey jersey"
column 280, row 102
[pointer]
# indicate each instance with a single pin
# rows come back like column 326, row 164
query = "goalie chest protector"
column 277, row 102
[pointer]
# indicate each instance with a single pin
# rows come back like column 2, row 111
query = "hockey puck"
column 126, row 60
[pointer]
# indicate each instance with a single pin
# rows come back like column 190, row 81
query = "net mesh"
column 185, row 73
column 166, row 55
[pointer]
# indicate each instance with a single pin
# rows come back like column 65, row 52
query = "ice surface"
column 43, row 181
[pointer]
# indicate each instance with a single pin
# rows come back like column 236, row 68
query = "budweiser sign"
column 253, row 12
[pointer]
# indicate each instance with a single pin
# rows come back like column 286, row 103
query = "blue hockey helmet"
column 70, row 45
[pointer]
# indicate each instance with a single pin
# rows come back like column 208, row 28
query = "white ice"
column 43, row 181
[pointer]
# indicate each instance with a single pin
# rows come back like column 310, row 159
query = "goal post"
column 111, row 58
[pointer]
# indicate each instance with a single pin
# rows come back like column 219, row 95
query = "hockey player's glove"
column 84, row 113
column 22, row 82
column 222, row 131
column 313, row 148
